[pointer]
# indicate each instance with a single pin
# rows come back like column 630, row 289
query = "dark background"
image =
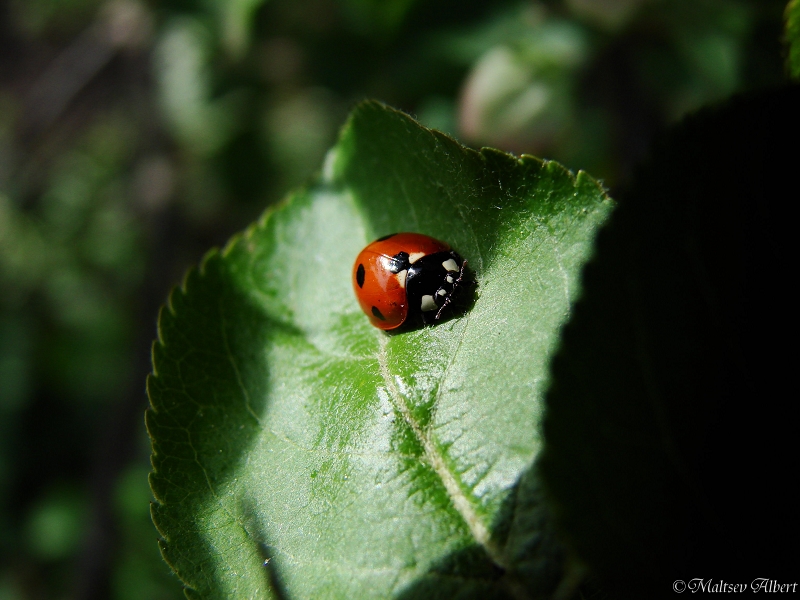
column 136, row 135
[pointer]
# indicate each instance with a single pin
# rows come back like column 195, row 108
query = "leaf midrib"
column 461, row 502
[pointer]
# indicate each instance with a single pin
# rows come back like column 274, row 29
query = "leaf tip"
column 582, row 178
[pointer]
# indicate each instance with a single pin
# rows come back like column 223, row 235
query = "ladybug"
column 406, row 274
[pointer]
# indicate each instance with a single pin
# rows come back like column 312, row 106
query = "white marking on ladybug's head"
column 450, row 265
column 401, row 278
column 449, row 279
column 441, row 293
column 415, row 256
column 428, row 304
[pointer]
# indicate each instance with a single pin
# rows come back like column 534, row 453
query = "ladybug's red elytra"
column 405, row 274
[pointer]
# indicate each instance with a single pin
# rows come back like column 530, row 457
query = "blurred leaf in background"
column 588, row 82
column 135, row 135
column 793, row 37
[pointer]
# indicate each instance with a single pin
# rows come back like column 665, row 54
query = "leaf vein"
column 232, row 361
column 460, row 501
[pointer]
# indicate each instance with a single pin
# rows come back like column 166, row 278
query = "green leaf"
column 236, row 21
column 670, row 440
column 287, row 429
column 378, row 17
column 793, row 37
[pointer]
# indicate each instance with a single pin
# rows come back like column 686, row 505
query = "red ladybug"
column 406, row 274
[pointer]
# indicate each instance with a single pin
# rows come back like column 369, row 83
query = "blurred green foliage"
column 793, row 38
column 134, row 135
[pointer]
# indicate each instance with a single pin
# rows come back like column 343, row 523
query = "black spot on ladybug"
column 360, row 275
column 386, row 237
column 377, row 313
column 399, row 262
